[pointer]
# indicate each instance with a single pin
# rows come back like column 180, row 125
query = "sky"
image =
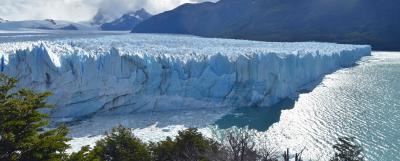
column 80, row 10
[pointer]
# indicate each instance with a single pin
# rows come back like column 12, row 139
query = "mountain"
column 47, row 24
column 2, row 20
column 127, row 21
column 375, row 22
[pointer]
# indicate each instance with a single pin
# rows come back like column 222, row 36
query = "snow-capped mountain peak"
column 46, row 24
column 141, row 14
column 3, row 20
column 127, row 21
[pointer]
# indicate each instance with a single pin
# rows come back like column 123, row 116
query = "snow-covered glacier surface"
column 129, row 73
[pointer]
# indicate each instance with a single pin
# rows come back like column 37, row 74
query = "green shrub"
column 189, row 145
column 22, row 136
column 118, row 145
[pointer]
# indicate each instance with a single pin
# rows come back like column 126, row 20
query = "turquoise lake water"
column 361, row 101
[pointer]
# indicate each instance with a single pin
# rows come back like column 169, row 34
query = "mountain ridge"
column 342, row 21
column 127, row 21
column 46, row 24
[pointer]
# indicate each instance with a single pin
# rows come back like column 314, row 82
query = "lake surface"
column 362, row 101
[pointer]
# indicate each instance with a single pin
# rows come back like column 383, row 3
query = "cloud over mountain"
column 80, row 10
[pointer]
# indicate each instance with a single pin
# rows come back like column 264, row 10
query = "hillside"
column 373, row 22
column 126, row 21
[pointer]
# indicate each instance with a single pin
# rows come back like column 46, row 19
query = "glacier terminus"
column 128, row 73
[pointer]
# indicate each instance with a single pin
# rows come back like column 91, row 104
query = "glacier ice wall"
column 139, row 72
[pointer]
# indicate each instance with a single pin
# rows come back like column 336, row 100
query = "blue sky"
column 80, row 10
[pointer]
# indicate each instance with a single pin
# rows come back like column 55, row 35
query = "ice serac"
column 133, row 73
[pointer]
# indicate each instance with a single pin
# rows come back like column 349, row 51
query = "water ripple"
column 362, row 101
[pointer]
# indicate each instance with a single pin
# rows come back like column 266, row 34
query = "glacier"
column 130, row 73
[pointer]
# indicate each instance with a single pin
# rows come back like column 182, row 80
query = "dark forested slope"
column 375, row 22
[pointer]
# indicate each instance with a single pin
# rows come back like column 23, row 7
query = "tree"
column 189, row 145
column 266, row 153
column 238, row 143
column 119, row 145
column 82, row 155
column 286, row 155
column 164, row 150
column 297, row 156
column 347, row 150
column 22, row 137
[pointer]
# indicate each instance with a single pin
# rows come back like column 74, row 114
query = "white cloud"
column 39, row 9
column 80, row 10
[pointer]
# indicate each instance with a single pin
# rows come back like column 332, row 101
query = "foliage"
column 347, row 150
column 82, row 155
column 23, row 138
column 21, row 126
column 164, row 150
column 189, row 145
column 119, row 145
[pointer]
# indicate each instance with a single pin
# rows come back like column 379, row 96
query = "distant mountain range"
column 100, row 21
column 47, row 24
column 127, row 21
column 2, row 20
column 375, row 22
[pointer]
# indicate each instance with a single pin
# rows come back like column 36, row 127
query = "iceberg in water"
column 122, row 74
